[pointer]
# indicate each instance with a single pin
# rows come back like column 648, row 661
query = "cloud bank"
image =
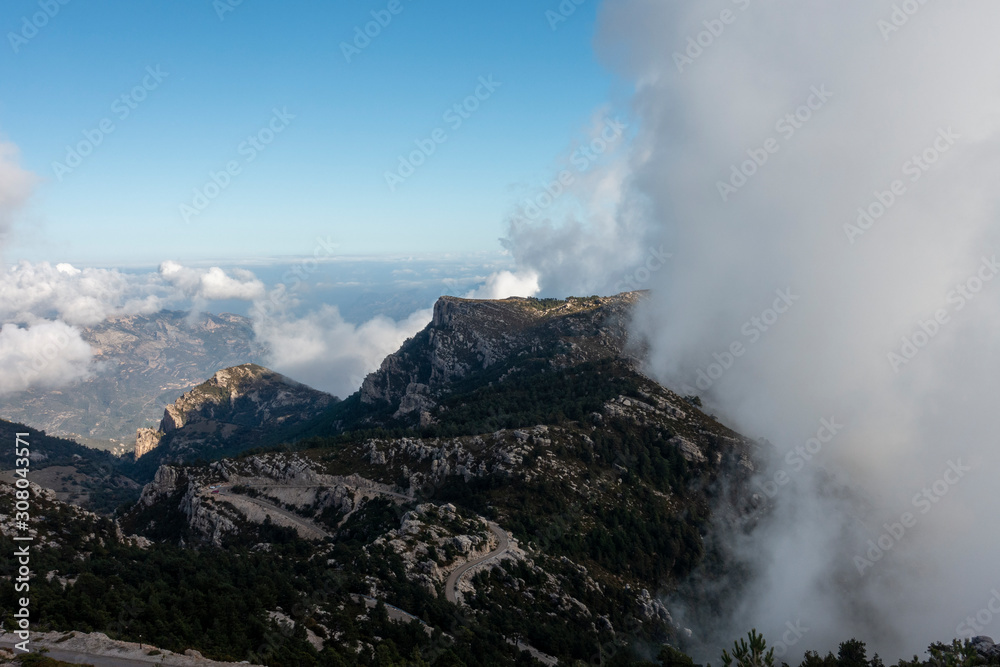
column 324, row 351
column 574, row 232
column 46, row 355
column 824, row 176
column 45, row 309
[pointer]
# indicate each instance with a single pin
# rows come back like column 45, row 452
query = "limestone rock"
column 146, row 440
column 467, row 336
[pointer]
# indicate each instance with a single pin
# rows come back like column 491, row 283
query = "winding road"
column 503, row 545
column 451, row 593
column 308, row 526
column 451, row 584
column 366, row 489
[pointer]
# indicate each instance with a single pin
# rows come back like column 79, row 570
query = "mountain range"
column 143, row 362
column 508, row 487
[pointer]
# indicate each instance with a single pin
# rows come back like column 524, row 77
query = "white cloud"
column 324, row 351
column 37, row 292
column 504, row 284
column 573, row 233
column 42, row 307
column 784, row 227
column 213, row 284
column 319, row 348
column 46, row 355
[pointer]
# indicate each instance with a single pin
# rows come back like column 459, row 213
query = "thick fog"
column 824, row 176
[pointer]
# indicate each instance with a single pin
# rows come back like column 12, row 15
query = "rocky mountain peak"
column 242, row 397
column 467, row 336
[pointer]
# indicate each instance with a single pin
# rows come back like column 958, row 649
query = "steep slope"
column 474, row 343
column 467, row 337
column 229, row 413
column 88, row 477
column 88, row 576
column 532, row 422
column 143, row 362
column 544, row 501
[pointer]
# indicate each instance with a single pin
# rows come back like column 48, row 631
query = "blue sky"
column 222, row 80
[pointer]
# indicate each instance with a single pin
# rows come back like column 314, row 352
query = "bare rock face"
column 985, row 647
column 164, row 484
column 173, row 418
column 146, row 440
column 469, row 336
column 417, row 400
column 98, row 645
column 689, row 450
column 246, row 395
column 236, row 405
column 285, row 490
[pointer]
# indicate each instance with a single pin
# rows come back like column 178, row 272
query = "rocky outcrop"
column 98, row 645
column 247, row 395
column 173, row 418
column 986, row 649
column 146, row 440
column 171, row 482
column 164, row 485
column 237, row 405
column 468, row 336
column 282, row 489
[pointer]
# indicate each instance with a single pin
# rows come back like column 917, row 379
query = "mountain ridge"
column 230, row 411
column 141, row 363
column 470, row 335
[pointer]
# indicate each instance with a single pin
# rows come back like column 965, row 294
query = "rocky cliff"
column 469, row 336
column 237, row 405
column 510, row 459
